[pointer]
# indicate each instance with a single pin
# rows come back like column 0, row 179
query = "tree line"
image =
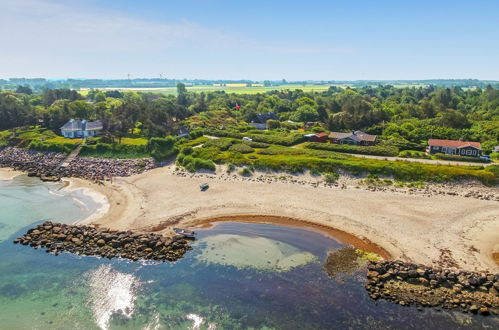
column 408, row 115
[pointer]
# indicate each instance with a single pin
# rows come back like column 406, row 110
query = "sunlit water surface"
column 238, row 276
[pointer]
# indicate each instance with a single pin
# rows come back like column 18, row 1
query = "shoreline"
column 446, row 230
column 100, row 199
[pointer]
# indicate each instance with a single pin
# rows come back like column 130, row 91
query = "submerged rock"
column 92, row 241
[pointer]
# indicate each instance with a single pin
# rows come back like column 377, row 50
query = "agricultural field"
column 227, row 89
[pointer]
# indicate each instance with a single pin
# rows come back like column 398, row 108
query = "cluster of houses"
column 448, row 147
column 83, row 129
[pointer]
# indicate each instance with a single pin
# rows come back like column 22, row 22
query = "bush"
column 365, row 150
column 459, row 158
column 273, row 124
column 231, row 168
column 414, row 154
column 245, row 172
column 242, row 148
column 162, row 148
column 270, row 137
column 114, row 150
column 193, row 164
column 51, row 146
column 221, row 144
column 331, row 177
column 494, row 155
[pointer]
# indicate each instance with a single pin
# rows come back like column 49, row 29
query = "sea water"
column 237, row 276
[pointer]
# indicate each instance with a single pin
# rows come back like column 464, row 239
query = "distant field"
column 237, row 90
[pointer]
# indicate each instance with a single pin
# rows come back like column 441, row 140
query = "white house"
column 81, row 128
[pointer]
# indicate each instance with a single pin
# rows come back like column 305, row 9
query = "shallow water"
column 216, row 286
column 25, row 200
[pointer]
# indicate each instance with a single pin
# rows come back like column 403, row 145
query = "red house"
column 319, row 137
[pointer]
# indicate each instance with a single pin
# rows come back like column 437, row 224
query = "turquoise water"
column 238, row 276
column 25, row 200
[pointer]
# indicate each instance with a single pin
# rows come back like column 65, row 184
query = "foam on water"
column 111, row 292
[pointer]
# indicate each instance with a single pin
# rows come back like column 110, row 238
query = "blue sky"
column 295, row 40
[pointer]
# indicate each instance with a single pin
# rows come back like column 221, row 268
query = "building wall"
column 466, row 151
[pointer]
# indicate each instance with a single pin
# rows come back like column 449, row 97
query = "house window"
column 444, row 150
column 468, row 152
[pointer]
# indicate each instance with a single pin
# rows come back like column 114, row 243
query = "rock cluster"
column 422, row 286
column 92, row 241
column 104, row 168
column 29, row 160
column 46, row 165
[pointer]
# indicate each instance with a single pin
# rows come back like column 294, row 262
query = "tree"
column 24, row 90
column 305, row 113
column 182, row 94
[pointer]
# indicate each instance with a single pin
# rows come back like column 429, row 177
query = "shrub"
column 193, row 164
column 162, row 148
column 459, row 158
column 242, row 148
column 231, row 168
column 365, row 150
column 51, row 146
column 221, row 144
column 245, row 172
column 494, row 155
column 331, row 177
column 414, row 154
column 114, row 150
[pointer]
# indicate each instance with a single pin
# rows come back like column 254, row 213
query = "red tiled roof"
column 321, row 134
column 453, row 143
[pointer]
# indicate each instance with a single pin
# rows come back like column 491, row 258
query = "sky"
column 257, row 40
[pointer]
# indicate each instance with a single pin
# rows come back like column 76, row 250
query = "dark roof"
column 82, row 125
column 263, row 117
column 453, row 143
column 356, row 136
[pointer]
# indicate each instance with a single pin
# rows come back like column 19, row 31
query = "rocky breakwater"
column 93, row 241
column 422, row 286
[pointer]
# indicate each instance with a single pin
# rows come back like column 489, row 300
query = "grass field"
column 236, row 90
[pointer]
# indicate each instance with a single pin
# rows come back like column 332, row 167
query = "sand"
column 8, row 174
column 438, row 230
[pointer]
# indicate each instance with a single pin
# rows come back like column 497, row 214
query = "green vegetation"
column 459, row 158
column 331, row 177
column 114, row 150
column 162, row 148
column 414, row 154
column 296, row 160
column 242, row 148
column 368, row 150
column 142, row 124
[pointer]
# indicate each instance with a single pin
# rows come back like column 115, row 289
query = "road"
column 426, row 161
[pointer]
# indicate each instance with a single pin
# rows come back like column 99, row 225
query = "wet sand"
column 443, row 231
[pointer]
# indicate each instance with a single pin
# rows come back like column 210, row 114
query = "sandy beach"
column 440, row 230
column 8, row 174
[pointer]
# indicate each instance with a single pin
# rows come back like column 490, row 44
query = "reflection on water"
column 111, row 292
